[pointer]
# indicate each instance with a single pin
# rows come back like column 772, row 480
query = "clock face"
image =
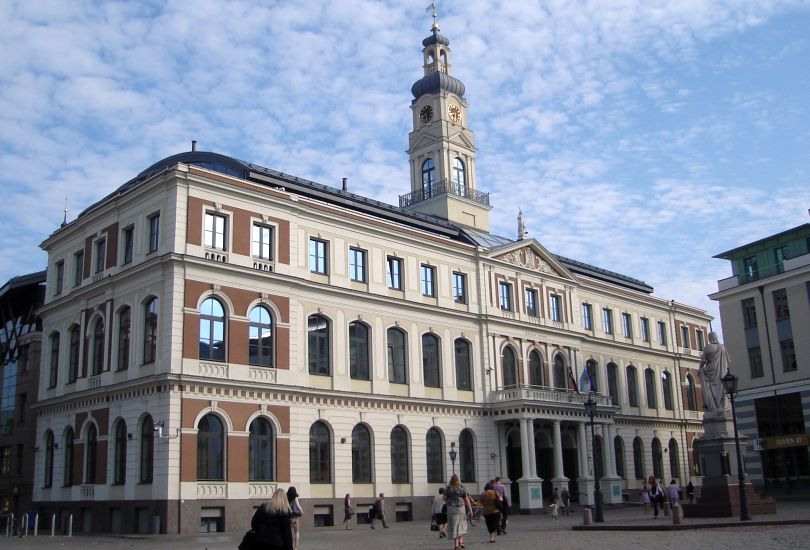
column 455, row 113
column 426, row 114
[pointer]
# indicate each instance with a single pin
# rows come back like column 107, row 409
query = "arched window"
column 434, row 456
column 400, row 465
column 560, row 381
column 147, row 450
column 591, row 374
column 120, row 454
column 466, row 456
column 674, row 463
column 649, row 386
column 632, row 386
column 124, row 329
column 320, row 454
column 428, row 179
column 459, row 178
column 618, row 451
column 73, row 353
column 535, row 368
column 463, row 366
column 260, row 449
column 431, row 366
column 598, row 460
column 210, row 449
column 90, row 451
column 67, row 471
column 47, row 482
column 53, row 376
column 359, row 351
column 509, row 368
column 212, row 330
column 691, row 398
column 666, row 389
column 361, row 454
column 638, row 458
column 260, row 337
column 613, row 382
column 657, row 459
column 150, row 320
column 98, row 347
column 396, row 356
column 318, row 338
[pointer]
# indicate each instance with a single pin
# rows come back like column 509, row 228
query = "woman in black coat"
column 271, row 522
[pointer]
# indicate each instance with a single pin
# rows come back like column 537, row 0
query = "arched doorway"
column 514, row 465
column 571, row 462
column 544, row 456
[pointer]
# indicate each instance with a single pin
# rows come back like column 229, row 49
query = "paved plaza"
column 539, row 531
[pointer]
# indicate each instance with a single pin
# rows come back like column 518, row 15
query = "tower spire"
column 64, row 219
column 433, row 7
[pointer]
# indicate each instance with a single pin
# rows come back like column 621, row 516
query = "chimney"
column 193, row 145
column 345, row 184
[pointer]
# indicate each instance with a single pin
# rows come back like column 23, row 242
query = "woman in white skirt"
column 458, row 504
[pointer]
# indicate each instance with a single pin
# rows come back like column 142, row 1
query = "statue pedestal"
column 531, row 495
column 611, row 490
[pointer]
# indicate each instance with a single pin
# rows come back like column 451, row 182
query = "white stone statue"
column 714, row 363
column 521, row 226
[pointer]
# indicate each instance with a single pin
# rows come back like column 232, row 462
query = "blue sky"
column 640, row 136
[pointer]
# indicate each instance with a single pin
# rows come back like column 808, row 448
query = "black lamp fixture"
column 590, row 410
column 730, row 387
column 453, row 455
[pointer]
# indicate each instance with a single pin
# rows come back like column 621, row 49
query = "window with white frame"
column 662, row 333
column 587, row 316
column 459, row 287
column 627, row 325
column 357, row 265
column 128, row 234
column 78, row 267
column 154, row 232
column 427, row 278
column 700, row 342
column 644, row 325
column 505, row 295
column 262, row 242
column 685, row 336
column 531, row 302
column 393, row 272
column 607, row 320
column 60, row 276
column 101, row 254
column 318, row 260
column 215, row 231
column 555, row 306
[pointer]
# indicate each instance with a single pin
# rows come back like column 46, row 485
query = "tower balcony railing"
column 443, row 187
column 524, row 393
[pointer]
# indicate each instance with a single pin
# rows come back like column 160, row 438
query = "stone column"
column 585, row 481
column 531, row 488
column 612, row 488
column 532, row 451
column 559, row 481
column 524, row 450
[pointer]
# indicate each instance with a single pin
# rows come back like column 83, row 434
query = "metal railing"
column 443, row 187
column 524, row 392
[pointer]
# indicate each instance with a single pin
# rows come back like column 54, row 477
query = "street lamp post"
column 730, row 386
column 590, row 410
column 453, row 455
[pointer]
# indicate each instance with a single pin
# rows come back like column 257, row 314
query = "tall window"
column 644, row 326
column 60, row 277
column 459, row 288
column 555, row 304
column 431, row 365
column 662, row 333
column 587, row 316
column 509, row 367
column 212, row 330
column 359, row 351
column 73, row 353
column 49, row 447
column 531, row 302
column 361, row 454
column 618, row 451
column 154, row 232
column 120, row 454
column 124, row 329
column 67, row 463
column 98, row 347
column 700, row 342
column 210, row 449
column 632, row 386
column 459, row 178
column 505, row 294
column 755, row 362
column 129, row 243
column 146, row 462
column 150, row 320
column 591, row 372
column 78, row 268
column 260, row 337
column 535, row 368
column 638, row 458
column 53, row 374
column 657, row 459
column 320, row 454
column 666, row 389
column 463, row 366
column 560, row 381
column 784, row 330
column 428, row 178
column 262, row 242
column 466, row 456
column 427, row 276
column 400, row 465
column 101, row 255
column 613, row 383
column 434, row 456
column 674, row 463
column 607, row 320
column 318, row 261
column 318, row 339
column 357, row 265
column 685, row 336
column 649, row 387
column 393, row 272
column 214, row 231
column 627, row 325
column 749, row 313
column 691, row 397
column 396, row 356
column 261, row 441
column 90, row 454
column 750, row 269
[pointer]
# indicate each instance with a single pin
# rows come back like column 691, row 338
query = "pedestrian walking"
column 656, row 496
column 348, row 511
column 492, row 514
column 458, row 504
column 555, row 512
column 379, row 511
column 674, row 493
column 271, row 524
column 295, row 512
column 504, row 504
column 690, row 491
column 645, row 498
column 440, row 513
column 565, row 501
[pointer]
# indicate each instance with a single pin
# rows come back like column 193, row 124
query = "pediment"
column 462, row 139
column 531, row 255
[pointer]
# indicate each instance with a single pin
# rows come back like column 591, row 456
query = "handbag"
column 248, row 541
column 434, row 526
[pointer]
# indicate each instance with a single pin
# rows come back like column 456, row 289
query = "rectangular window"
column 78, row 268
column 426, row 280
column 393, row 272
column 555, row 305
column 750, row 269
column 644, row 326
column 5, row 460
column 262, row 242
column 459, row 287
column 129, row 244
column 700, row 342
column 685, row 337
column 357, row 265
column 788, row 355
column 317, row 256
column 607, row 320
column 214, row 231
column 780, row 303
column 531, row 302
column 749, row 313
column 779, row 256
column 505, row 294
column 101, row 254
column 587, row 316
column 60, row 277
column 627, row 325
column 662, row 333
column 154, row 232
column 755, row 360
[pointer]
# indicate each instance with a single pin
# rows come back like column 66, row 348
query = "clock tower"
column 441, row 149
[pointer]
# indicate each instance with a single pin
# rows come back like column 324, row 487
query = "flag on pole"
column 572, row 382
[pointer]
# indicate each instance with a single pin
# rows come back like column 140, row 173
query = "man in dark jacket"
column 379, row 511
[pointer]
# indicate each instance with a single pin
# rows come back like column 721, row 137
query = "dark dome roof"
column 437, row 82
column 435, row 38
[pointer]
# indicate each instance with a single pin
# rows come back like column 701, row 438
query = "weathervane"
column 433, row 7
column 64, row 220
